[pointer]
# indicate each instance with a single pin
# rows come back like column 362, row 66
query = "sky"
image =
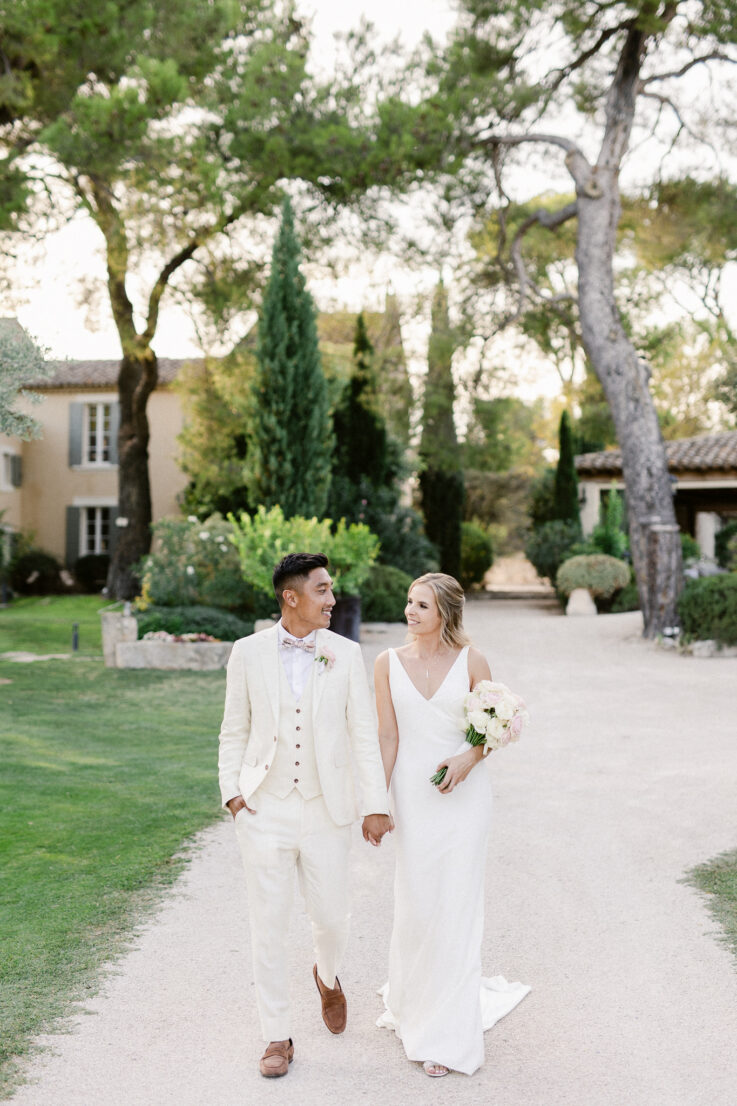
column 48, row 289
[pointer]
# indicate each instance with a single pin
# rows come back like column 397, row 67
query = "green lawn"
column 105, row 774
column 44, row 625
column 718, row 880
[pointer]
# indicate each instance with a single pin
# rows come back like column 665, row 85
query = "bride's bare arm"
column 478, row 668
column 388, row 732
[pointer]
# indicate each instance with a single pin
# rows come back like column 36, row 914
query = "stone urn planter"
column 580, row 602
column 346, row 617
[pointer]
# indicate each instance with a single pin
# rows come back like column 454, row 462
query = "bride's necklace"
column 430, row 659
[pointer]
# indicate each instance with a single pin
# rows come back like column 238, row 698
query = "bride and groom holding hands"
column 300, row 760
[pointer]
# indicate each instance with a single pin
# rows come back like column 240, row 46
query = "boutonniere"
column 326, row 658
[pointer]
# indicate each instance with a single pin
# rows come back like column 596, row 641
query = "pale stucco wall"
column 50, row 485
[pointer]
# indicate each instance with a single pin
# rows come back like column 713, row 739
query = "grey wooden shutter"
column 16, row 470
column 72, row 543
column 114, row 428
column 76, row 429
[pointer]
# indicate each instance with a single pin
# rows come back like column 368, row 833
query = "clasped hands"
column 374, row 825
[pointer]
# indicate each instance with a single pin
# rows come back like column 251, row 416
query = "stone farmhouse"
column 703, row 472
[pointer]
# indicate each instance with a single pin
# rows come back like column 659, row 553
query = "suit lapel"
column 321, row 675
column 269, row 657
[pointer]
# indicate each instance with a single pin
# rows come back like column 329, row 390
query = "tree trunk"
column 136, row 382
column 654, row 537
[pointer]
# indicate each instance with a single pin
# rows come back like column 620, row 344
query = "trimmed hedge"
column 548, row 546
column 384, row 594
column 193, row 620
column 36, row 573
column 600, row 574
column 708, row 609
column 477, row 554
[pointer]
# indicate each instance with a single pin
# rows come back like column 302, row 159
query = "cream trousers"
column 284, row 836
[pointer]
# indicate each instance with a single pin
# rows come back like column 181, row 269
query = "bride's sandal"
column 435, row 1071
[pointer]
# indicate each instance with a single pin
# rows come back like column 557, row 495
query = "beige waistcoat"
column 294, row 764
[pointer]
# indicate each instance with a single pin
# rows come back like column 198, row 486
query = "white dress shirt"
column 297, row 662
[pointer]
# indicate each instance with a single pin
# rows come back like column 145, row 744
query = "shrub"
column 690, row 548
column 600, row 574
column 628, row 599
column 550, row 544
column 35, row 572
column 263, row 538
column 609, row 535
column 195, row 564
column 193, row 620
column 708, row 609
column 724, row 550
column 90, row 571
column 477, row 554
column 384, row 594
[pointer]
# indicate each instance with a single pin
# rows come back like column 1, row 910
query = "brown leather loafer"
column 334, row 1005
column 277, row 1058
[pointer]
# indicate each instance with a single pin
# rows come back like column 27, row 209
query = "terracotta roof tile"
column 705, row 452
column 103, row 374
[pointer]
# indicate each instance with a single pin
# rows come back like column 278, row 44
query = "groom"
column 297, row 739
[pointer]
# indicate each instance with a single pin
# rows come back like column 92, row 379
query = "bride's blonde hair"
column 450, row 600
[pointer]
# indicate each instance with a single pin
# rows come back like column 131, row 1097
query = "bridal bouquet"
column 494, row 717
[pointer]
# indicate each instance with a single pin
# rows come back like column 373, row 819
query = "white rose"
column 505, row 708
column 479, row 720
column 495, row 730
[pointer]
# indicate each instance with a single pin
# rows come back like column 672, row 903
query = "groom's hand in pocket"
column 238, row 803
column 375, row 826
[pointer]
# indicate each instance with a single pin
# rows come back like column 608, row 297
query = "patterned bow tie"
column 298, row 643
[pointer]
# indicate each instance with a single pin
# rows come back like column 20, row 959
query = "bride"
column 436, row 999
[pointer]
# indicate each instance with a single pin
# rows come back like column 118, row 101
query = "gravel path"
column 624, row 782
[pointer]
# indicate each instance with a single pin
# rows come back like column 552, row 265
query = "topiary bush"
column 725, row 549
column 477, row 554
column 90, row 571
column 384, row 594
column 35, row 572
column 597, row 572
column 193, row 620
column 550, row 544
column 708, row 609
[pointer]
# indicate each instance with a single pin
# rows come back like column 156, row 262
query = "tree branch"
column 581, row 60
column 714, row 55
column 550, row 220
column 665, row 101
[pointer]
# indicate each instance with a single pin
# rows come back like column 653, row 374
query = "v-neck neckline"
column 441, row 685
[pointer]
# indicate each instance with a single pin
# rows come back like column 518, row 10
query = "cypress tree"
column 565, row 496
column 360, row 431
column 441, row 475
column 291, row 440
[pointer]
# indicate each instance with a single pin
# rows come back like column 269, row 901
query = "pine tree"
column 291, row 440
column 441, row 476
column 565, row 497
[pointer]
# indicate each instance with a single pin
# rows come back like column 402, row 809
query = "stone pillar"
column 116, row 626
column 590, row 506
column 707, row 524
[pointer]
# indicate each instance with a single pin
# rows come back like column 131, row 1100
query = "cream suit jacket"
column 346, row 740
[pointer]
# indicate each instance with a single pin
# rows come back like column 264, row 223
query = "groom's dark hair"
column 293, row 568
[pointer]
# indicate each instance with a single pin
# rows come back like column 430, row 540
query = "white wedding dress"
column 436, row 999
